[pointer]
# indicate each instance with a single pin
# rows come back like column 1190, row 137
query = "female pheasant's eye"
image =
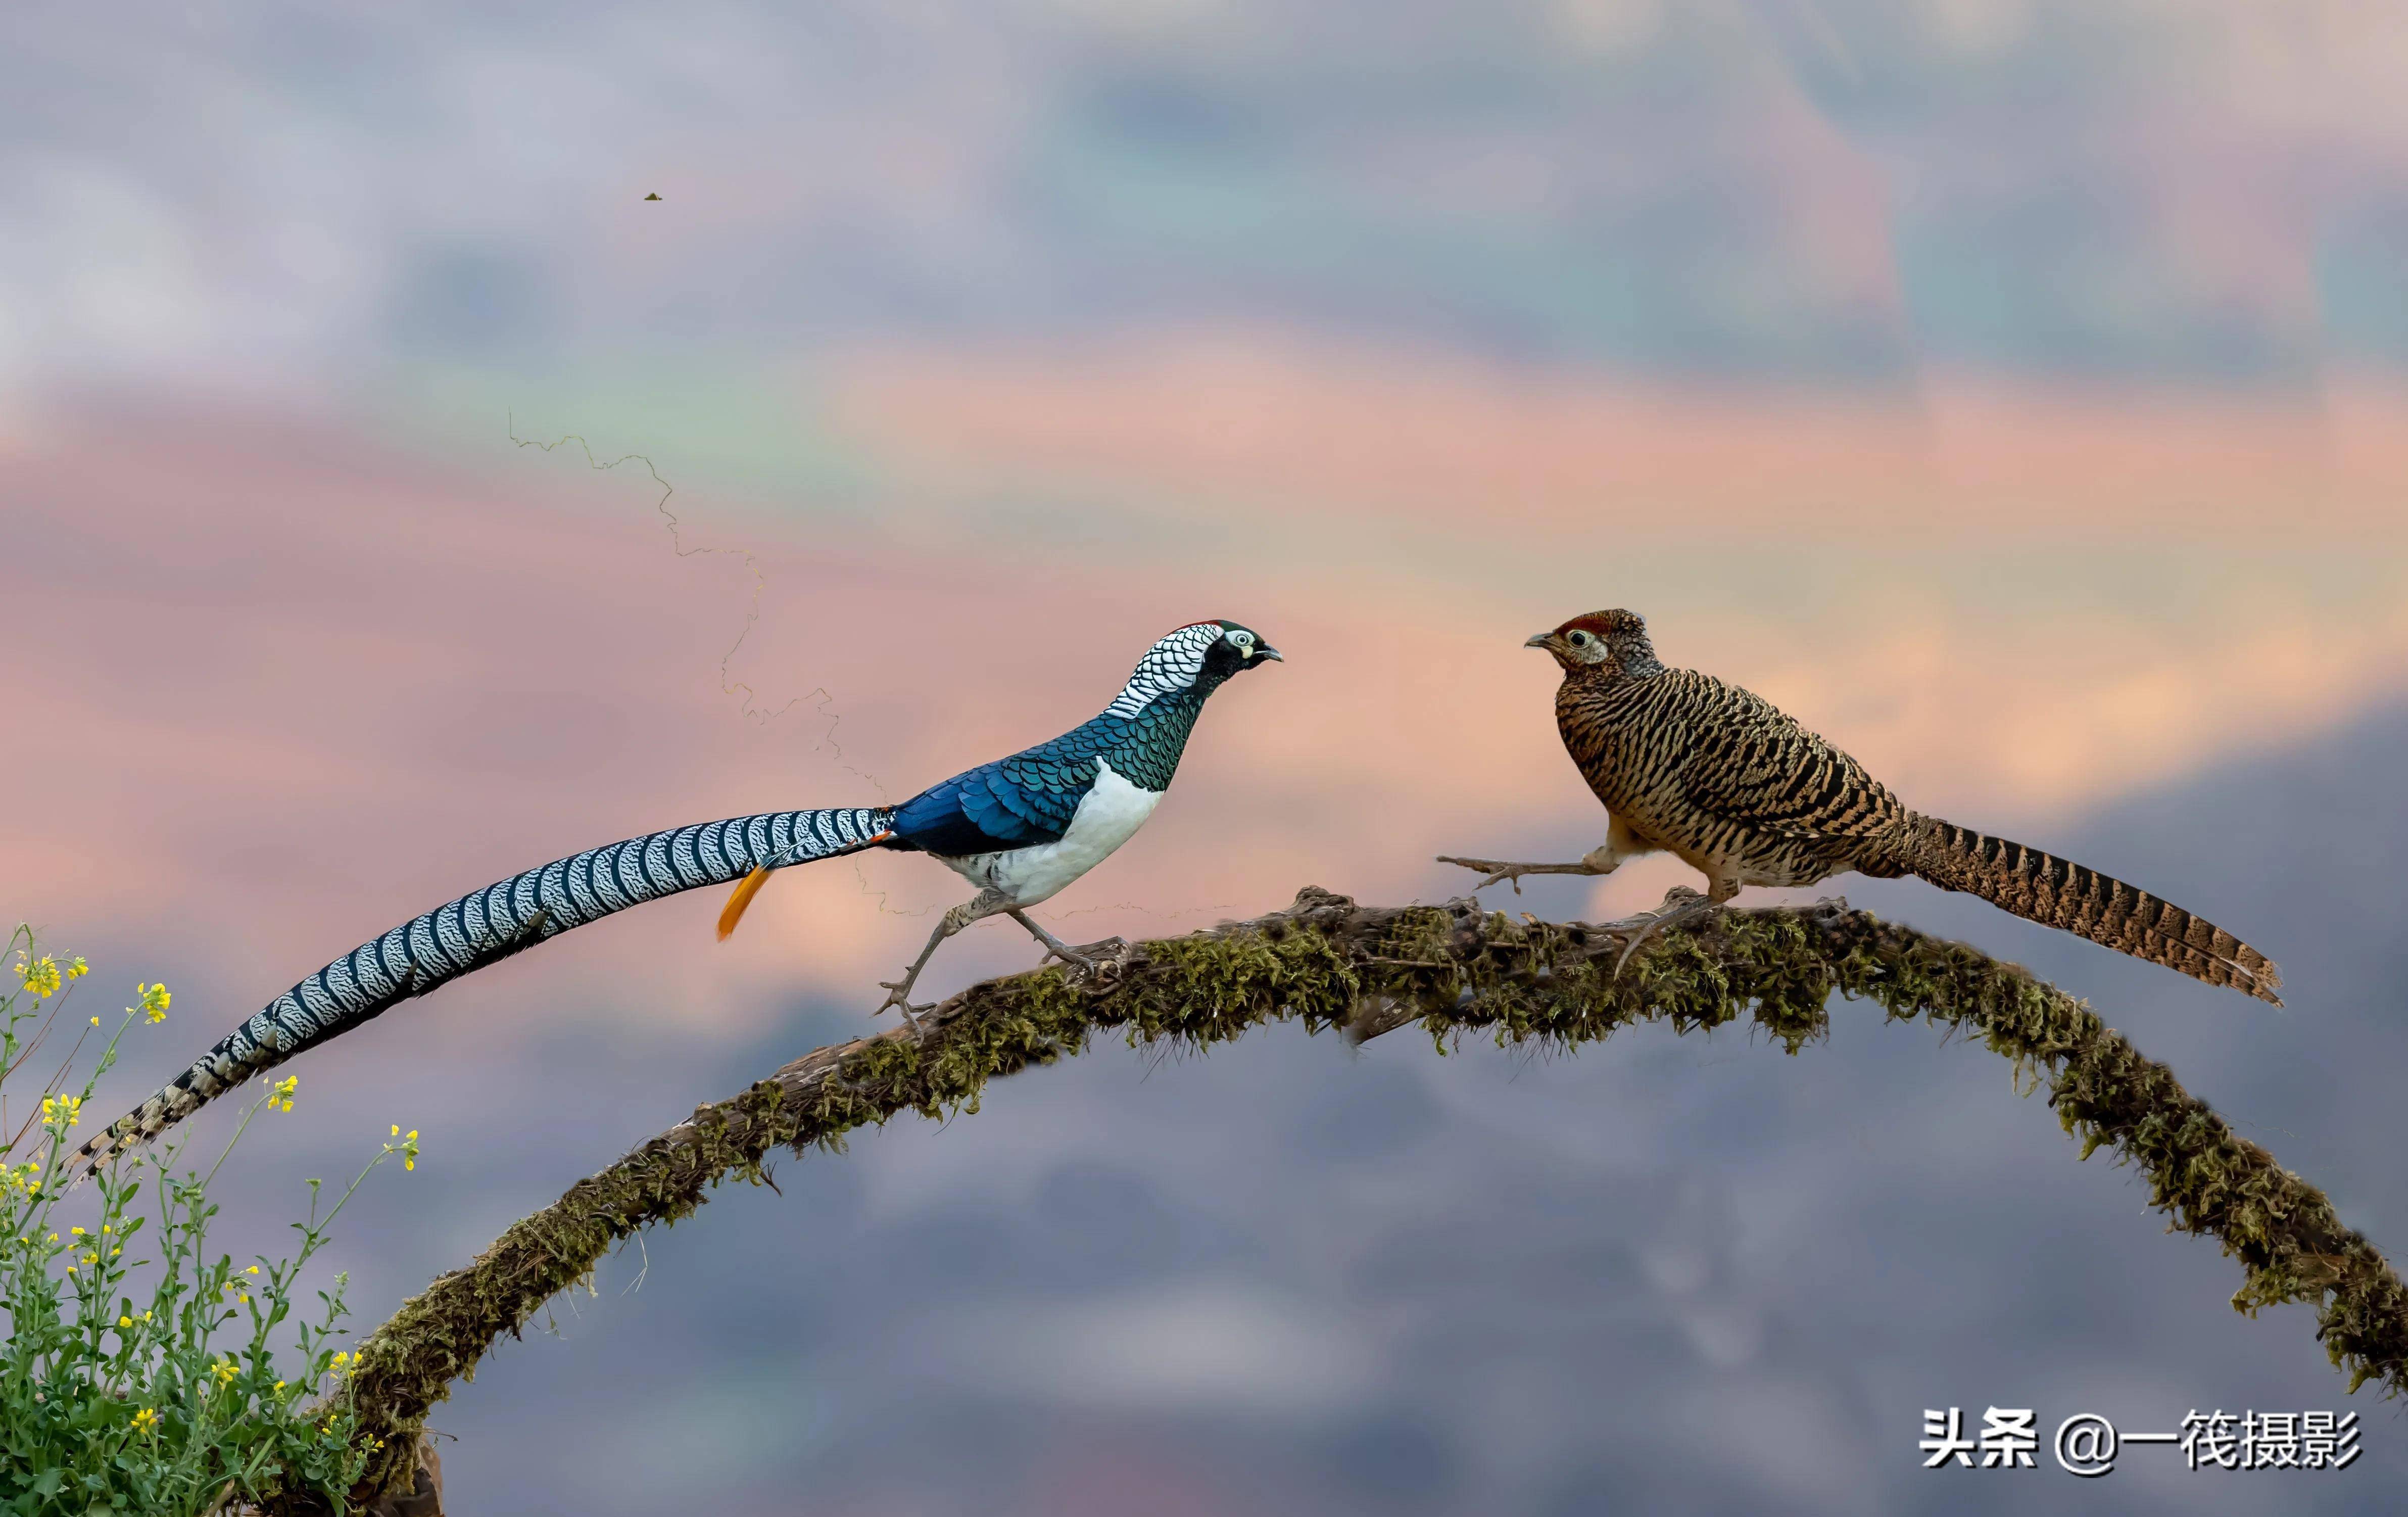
column 1580, row 639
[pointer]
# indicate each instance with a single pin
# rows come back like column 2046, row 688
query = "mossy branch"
column 1333, row 964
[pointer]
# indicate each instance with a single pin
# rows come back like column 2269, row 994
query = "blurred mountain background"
column 2016, row 390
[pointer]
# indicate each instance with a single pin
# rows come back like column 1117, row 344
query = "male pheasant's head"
column 1197, row 657
column 1602, row 643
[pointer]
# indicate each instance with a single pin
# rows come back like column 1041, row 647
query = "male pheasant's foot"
column 898, row 995
column 1056, row 948
column 1499, row 870
column 1680, row 904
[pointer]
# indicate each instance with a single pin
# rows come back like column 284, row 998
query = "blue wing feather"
column 1016, row 802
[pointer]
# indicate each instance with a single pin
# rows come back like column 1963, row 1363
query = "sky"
column 392, row 497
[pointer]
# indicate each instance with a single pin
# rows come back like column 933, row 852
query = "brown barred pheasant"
column 1689, row 764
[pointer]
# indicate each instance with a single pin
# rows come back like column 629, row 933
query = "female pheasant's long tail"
column 2056, row 893
column 484, row 927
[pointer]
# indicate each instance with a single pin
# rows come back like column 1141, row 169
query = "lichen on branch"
column 1364, row 971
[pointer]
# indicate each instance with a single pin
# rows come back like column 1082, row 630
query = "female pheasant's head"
column 1196, row 657
column 1608, row 644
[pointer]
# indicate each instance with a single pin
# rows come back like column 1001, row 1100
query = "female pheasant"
column 1745, row 795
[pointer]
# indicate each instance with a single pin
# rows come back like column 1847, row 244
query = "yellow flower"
column 250, row 1269
column 397, row 1129
column 41, row 975
column 124, row 1322
column 77, row 1231
column 146, row 1421
column 279, row 1096
column 96, row 1021
column 224, row 1371
column 243, row 1299
column 153, row 1004
column 76, row 969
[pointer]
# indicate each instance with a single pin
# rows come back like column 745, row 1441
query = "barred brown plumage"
column 1746, row 795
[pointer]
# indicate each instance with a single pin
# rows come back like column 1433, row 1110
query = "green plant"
column 137, row 1374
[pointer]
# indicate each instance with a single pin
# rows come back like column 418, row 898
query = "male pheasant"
column 1745, row 795
column 1020, row 828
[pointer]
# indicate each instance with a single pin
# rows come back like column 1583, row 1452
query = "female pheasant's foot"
column 1499, row 871
column 1680, row 904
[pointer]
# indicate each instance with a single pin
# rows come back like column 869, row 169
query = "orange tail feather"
column 738, row 902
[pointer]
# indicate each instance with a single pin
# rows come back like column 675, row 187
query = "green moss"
column 1325, row 962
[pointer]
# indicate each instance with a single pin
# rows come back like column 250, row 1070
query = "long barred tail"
column 2040, row 887
column 484, row 927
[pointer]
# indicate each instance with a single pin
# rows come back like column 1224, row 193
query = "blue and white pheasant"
column 1021, row 829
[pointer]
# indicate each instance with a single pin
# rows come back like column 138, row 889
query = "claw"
column 1632, row 947
column 1086, row 965
column 1657, row 920
column 899, row 997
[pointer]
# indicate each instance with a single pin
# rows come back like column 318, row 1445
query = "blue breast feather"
column 1016, row 802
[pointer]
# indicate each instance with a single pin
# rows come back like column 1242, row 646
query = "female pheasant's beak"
column 1540, row 640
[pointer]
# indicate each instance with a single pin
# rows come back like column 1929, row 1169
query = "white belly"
column 1110, row 816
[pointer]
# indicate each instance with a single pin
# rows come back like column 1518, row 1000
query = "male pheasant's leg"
column 1718, row 893
column 1054, row 947
column 898, row 992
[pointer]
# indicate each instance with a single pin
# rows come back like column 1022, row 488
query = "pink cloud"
column 278, row 688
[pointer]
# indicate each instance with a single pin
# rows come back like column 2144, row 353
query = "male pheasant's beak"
column 1267, row 651
column 1540, row 640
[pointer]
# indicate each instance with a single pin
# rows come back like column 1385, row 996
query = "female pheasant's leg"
column 1500, row 871
column 986, row 903
column 1621, row 845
